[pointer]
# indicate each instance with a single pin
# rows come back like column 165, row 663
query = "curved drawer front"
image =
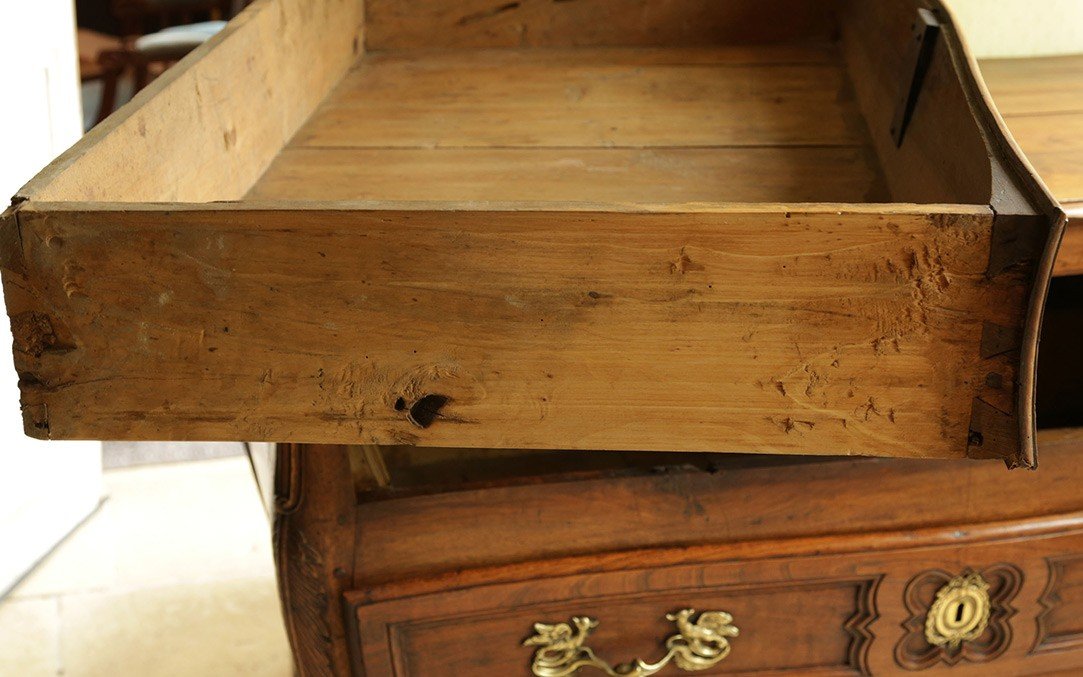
column 1013, row 605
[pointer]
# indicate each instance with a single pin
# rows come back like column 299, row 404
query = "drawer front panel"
column 824, row 618
column 723, row 325
column 1060, row 622
column 858, row 613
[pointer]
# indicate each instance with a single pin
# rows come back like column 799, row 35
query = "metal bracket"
column 925, row 30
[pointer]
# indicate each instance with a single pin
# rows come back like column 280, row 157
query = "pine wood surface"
column 599, row 331
column 208, row 127
column 428, row 24
column 617, row 175
column 742, row 124
column 926, row 167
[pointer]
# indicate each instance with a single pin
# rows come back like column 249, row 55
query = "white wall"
column 1004, row 28
column 47, row 488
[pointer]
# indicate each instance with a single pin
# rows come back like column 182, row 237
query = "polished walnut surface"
column 830, row 564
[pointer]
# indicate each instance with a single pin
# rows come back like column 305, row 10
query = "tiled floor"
column 127, row 454
column 173, row 576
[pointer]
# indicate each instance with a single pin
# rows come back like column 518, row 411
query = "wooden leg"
column 314, row 543
column 114, row 63
column 142, row 75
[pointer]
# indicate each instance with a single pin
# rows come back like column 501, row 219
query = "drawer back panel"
column 426, row 24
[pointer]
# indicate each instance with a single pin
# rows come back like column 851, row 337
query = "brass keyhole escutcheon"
column 960, row 611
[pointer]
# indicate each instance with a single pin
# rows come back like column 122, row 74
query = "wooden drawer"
column 793, row 227
column 860, row 610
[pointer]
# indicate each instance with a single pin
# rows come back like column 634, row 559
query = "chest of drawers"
column 571, row 320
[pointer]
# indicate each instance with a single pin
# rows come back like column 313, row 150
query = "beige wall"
column 997, row 28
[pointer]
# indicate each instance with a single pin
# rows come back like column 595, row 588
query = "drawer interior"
column 752, row 123
column 752, row 106
column 596, row 102
column 382, row 471
column 1060, row 362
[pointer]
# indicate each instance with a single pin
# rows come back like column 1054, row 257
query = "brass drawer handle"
column 696, row 646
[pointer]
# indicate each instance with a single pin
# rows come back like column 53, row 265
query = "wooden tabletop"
column 1041, row 99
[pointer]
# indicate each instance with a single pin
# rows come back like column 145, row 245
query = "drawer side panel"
column 208, row 127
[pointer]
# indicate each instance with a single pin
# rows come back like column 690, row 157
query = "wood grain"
column 1052, row 142
column 1070, row 257
column 1035, row 85
column 956, row 147
column 764, row 124
column 590, row 98
column 809, row 616
column 629, row 547
column 313, row 550
column 618, row 175
column 426, row 24
column 943, row 157
column 630, row 599
column 1041, row 99
column 825, row 331
column 208, row 127
column 904, row 520
column 635, row 318
column 739, row 499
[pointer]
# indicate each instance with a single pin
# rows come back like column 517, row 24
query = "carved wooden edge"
column 859, row 625
column 1044, row 640
column 1028, row 228
column 314, row 539
column 913, row 652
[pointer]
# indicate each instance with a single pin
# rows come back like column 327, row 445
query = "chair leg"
column 113, row 67
column 142, row 75
column 109, row 96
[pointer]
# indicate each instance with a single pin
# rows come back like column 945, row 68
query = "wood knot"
column 425, row 411
column 34, row 334
column 684, row 264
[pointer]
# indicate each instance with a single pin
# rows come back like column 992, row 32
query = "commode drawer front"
column 798, row 625
column 917, row 607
